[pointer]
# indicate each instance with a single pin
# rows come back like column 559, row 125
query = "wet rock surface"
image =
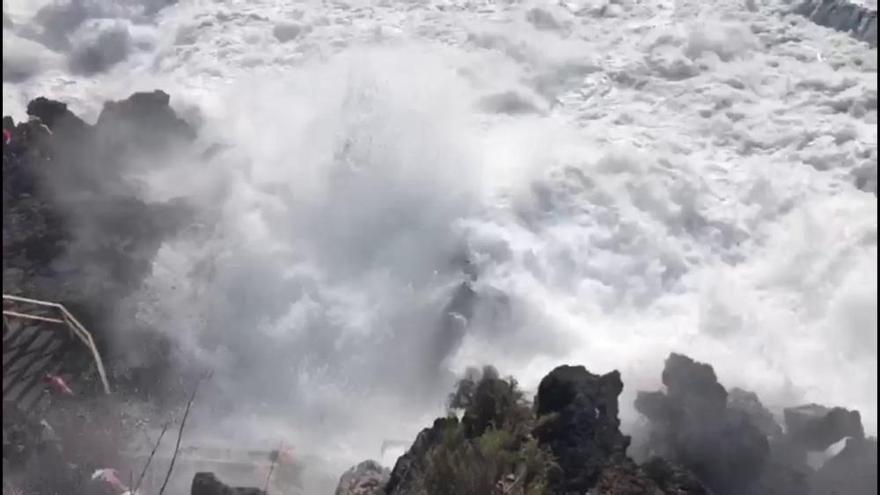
column 655, row 477
column 404, row 478
column 749, row 404
column 703, row 439
column 367, row 478
column 208, row 484
column 582, row 429
column 815, row 427
column 75, row 231
column 858, row 20
column 731, row 442
column 691, row 420
column 56, row 454
column 852, row 471
column 58, row 170
column 567, row 441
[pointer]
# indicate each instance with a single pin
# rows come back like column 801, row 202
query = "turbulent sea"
column 626, row 179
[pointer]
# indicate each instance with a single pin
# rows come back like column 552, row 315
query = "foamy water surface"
column 630, row 178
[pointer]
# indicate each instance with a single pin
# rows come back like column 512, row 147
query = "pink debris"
column 111, row 477
column 285, row 456
column 7, row 136
column 58, row 385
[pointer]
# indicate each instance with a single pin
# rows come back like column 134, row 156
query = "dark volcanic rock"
column 655, row 477
column 75, row 230
column 691, row 424
column 853, row 471
column 859, row 21
column 21, row 435
column 734, row 445
column 579, row 423
column 568, row 442
column 53, row 113
column 409, row 466
column 208, row 484
column 784, row 473
column 144, row 121
column 816, row 427
column 66, row 173
column 625, row 479
column 672, row 479
column 33, row 457
column 748, row 402
column 693, row 386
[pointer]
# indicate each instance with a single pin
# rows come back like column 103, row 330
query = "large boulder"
column 409, row 467
column 847, row 16
column 749, row 404
column 578, row 421
column 691, row 424
column 654, row 477
column 853, row 471
column 34, row 459
column 208, row 484
column 367, row 478
column 61, row 177
column 734, row 444
column 143, row 122
column 815, row 427
column 54, row 114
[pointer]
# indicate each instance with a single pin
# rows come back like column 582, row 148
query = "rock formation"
column 702, row 440
column 63, row 176
column 74, row 229
column 843, row 15
column 734, row 445
column 581, row 429
column 367, row 478
column 691, row 419
column 208, row 484
column 569, row 441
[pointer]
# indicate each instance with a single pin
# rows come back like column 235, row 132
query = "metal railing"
column 64, row 318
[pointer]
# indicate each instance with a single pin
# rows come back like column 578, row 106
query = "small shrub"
column 488, row 401
column 492, row 441
column 457, row 467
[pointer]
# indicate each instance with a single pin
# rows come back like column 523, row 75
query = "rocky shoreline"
column 703, row 438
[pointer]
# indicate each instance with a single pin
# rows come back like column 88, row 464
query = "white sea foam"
column 685, row 185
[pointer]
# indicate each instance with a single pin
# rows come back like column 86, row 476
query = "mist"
column 367, row 185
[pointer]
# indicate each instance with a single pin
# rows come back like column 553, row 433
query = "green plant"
column 491, row 450
column 488, row 401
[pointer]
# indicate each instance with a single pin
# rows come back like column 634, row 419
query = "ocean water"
column 626, row 178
